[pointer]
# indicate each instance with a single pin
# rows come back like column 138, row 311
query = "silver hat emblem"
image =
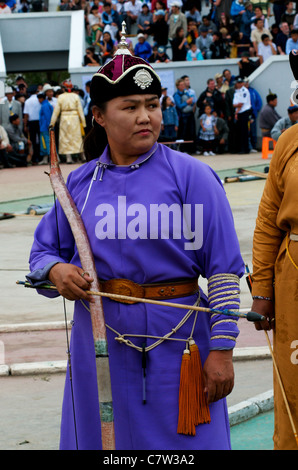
column 143, row 79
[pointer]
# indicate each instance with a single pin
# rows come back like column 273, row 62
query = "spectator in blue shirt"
column 237, row 10
column 45, row 115
column 170, row 120
column 292, row 42
column 142, row 49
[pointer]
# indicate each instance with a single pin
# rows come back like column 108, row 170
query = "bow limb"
column 96, row 309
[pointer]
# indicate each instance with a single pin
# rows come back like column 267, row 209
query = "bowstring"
column 67, row 335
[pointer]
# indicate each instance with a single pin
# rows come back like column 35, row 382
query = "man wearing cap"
column 48, row 90
column 177, row 20
column 9, row 107
column 142, row 48
column 285, row 123
column 242, row 105
column 129, row 178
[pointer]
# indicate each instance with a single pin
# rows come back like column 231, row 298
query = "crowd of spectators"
column 221, row 119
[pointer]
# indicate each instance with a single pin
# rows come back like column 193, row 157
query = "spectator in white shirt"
column 133, row 8
column 266, row 48
column 242, row 105
column 31, row 124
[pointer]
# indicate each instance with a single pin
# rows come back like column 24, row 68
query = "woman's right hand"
column 71, row 281
column 265, row 308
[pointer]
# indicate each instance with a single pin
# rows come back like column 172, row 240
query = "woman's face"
column 132, row 124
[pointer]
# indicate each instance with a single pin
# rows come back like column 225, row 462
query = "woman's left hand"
column 219, row 375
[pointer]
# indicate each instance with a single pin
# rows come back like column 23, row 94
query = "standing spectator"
column 145, row 20
column 184, row 104
column 31, row 124
column 179, row 46
column 289, row 15
column 268, row 115
column 194, row 53
column 170, row 120
column 221, row 134
column 211, row 96
column 204, row 42
column 48, row 90
column 177, row 20
column 160, row 29
column 72, row 120
column 132, row 9
column 10, row 106
column 228, row 77
column 282, row 37
column 242, row 105
column 256, row 106
column 190, row 90
column 221, row 86
column 45, row 115
column 266, row 48
column 142, row 48
column 285, row 123
column 230, row 118
column 207, row 131
column 292, row 42
column 256, row 34
column 87, row 107
column 279, row 8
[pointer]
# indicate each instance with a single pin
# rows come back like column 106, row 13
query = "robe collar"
column 105, row 158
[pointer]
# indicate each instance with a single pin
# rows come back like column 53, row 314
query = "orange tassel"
column 186, row 423
column 201, row 408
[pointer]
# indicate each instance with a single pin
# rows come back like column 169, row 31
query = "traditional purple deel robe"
column 126, row 245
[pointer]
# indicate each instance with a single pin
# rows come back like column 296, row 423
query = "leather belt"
column 156, row 291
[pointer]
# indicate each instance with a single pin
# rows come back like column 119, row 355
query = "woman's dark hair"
column 96, row 140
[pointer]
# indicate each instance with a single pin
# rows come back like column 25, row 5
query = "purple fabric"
column 165, row 177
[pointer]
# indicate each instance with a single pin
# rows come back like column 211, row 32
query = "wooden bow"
column 96, row 309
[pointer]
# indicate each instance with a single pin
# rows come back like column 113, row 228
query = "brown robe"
column 275, row 275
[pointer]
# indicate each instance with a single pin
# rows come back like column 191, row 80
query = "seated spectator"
column 193, row 14
column 207, row 131
column 221, row 134
column 154, row 55
column 258, row 14
column 95, row 24
column 23, row 6
column 268, row 115
column 160, row 29
column 133, row 8
column 12, row 4
column 107, row 47
column 256, row 34
column 236, row 12
column 266, row 48
column 179, row 45
column 204, row 41
column 20, row 144
column 170, row 120
column 145, row 20
column 192, row 31
column 8, row 157
column 218, row 47
column 162, row 56
column 91, row 59
column 207, row 23
column 282, row 37
column 240, row 43
column 285, row 123
column 226, row 23
column 289, row 15
column 142, row 48
column 194, row 53
column 120, row 7
column 292, row 42
column 246, row 65
column 110, row 20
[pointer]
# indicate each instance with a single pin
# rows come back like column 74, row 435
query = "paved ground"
column 31, row 405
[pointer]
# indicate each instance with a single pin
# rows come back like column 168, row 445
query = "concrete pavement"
column 32, row 338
